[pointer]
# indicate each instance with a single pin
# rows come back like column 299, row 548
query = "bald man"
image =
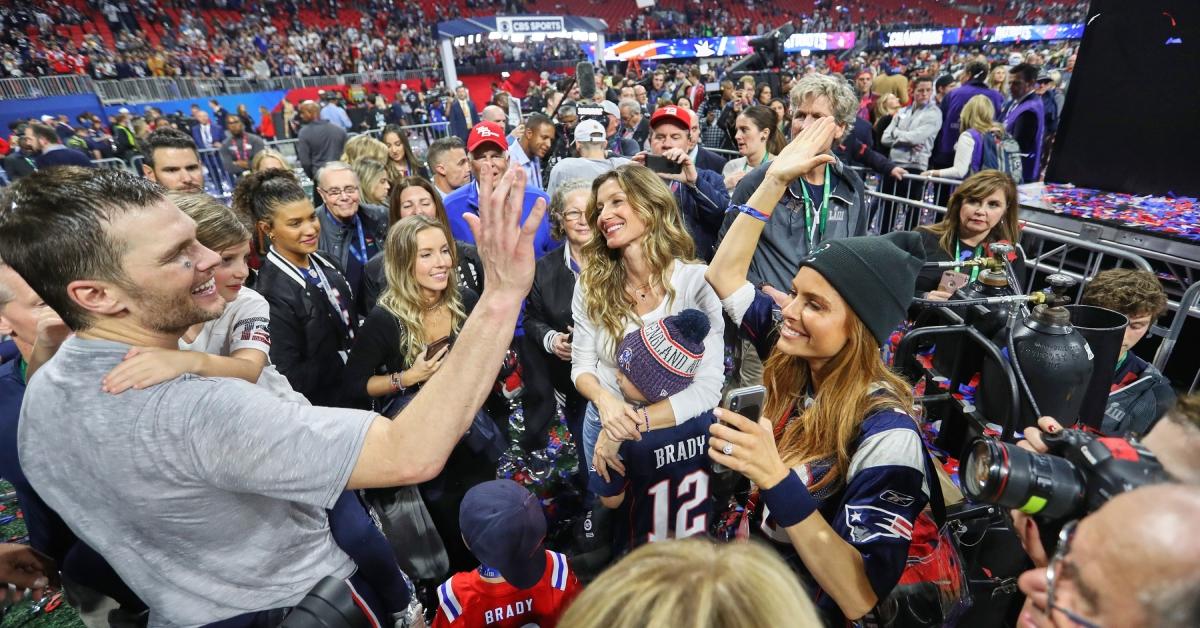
column 318, row 143
column 1133, row 562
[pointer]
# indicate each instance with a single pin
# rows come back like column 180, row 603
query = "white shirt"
column 594, row 352
column 245, row 324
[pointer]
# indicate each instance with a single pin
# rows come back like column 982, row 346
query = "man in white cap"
column 593, row 159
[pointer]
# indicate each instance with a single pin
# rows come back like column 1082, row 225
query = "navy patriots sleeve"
column 885, row 491
column 756, row 315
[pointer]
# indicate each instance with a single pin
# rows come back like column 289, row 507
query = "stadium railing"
column 917, row 200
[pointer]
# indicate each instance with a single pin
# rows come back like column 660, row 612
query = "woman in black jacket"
column 981, row 212
column 403, row 342
column 546, row 346
column 313, row 317
column 416, row 195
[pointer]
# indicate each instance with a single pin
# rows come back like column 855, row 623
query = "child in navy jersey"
column 666, row 474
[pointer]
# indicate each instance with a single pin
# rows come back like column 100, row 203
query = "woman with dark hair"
column 758, row 139
column 764, row 94
column 403, row 342
column 417, row 196
column 981, row 212
column 780, row 107
column 837, row 458
column 313, row 317
column 401, row 160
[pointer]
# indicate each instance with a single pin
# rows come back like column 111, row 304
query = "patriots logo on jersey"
column 868, row 523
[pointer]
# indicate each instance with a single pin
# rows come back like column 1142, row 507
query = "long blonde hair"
column 980, row 114
column 369, row 173
column 857, row 383
column 694, row 583
column 402, row 297
column 608, row 303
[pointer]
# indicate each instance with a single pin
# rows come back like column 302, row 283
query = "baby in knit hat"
column 665, row 482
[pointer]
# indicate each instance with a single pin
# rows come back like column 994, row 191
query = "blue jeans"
column 591, row 432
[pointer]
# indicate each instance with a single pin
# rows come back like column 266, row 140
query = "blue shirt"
column 667, row 472
column 336, row 115
column 466, row 199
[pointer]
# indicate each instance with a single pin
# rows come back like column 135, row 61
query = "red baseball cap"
column 672, row 113
column 486, row 133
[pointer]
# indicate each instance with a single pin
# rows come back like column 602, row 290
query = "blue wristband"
column 749, row 211
column 789, row 501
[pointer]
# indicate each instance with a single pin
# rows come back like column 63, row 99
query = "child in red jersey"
column 519, row 582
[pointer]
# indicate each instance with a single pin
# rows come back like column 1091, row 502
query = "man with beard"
column 240, row 146
column 139, row 476
column 172, row 161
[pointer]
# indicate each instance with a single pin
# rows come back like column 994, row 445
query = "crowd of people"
column 698, row 342
column 268, row 40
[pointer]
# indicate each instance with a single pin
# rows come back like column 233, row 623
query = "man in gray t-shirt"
column 243, row 478
column 208, row 496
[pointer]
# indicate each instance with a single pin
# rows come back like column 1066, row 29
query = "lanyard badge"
column 815, row 218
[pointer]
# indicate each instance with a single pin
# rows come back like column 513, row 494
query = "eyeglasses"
column 501, row 158
column 349, row 190
column 572, row 216
column 1054, row 569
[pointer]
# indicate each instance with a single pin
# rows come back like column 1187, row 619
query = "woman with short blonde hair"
column 694, row 583
column 362, row 147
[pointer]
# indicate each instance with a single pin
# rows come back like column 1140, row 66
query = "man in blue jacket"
column 700, row 193
column 462, row 113
column 487, row 147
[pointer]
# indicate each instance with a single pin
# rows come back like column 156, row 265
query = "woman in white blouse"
column 638, row 267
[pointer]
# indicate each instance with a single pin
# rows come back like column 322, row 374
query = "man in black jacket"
column 352, row 232
column 50, row 152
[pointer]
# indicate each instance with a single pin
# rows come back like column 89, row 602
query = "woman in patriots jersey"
column 837, row 458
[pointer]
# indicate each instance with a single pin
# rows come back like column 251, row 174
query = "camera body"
column 592, row 112
column 1079, row 473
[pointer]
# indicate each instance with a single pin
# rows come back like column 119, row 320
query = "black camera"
column 592, row 112
column 1080, row 473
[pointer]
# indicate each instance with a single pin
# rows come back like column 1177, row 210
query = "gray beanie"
column 876, row 275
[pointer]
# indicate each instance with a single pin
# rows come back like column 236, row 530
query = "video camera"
column 591, row 112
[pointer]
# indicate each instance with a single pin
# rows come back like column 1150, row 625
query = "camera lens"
column 1008, row 476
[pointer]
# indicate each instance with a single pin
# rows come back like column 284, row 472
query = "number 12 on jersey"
column 691, row 511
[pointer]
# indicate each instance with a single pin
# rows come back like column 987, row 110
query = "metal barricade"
column 420, row 136
column 1188, row 307
column 113, row 163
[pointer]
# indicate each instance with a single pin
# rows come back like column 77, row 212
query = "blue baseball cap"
column 504, row 526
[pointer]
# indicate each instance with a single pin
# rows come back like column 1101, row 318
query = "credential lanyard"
column 361, row 253
column 958, row 258
column 814, row 226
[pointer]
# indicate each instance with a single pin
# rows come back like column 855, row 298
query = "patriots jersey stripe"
column 448, row 602
column 559, row 580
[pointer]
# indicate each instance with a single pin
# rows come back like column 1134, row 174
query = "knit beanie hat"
column 662, row 358
column 876, row 275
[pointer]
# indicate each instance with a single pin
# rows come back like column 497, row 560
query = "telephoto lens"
column 1036, row 484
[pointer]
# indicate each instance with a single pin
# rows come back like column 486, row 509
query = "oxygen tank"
column 1054, row 359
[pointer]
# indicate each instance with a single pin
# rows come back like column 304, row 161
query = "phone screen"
column 747, row 401
column 658, row 163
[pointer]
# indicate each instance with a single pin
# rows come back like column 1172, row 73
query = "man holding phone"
column 700, row 193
